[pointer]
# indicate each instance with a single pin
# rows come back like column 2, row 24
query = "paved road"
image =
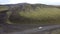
column 25, row 29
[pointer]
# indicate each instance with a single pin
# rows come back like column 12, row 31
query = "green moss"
column 3, row 8
column 41, row 16
column 42, row 13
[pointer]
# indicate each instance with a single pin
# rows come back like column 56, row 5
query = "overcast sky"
column 51, row 2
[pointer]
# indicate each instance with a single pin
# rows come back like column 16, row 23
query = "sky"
column 49, row 2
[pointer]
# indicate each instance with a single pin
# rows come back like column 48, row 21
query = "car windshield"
column 29, row 16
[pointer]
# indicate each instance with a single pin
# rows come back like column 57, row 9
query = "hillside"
column 25, row 13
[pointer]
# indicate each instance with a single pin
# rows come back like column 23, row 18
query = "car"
column 40, row 27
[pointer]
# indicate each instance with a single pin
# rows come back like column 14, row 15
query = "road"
column 26, row 29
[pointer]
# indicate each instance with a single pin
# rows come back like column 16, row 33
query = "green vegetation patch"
column 43, row 13
column 2, row 8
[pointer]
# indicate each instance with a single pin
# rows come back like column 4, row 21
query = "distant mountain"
column 27, row 6
column 41, row 5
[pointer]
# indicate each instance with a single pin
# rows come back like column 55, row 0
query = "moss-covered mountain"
column 33, row 13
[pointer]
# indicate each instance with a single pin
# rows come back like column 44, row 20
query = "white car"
column 40, row 27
